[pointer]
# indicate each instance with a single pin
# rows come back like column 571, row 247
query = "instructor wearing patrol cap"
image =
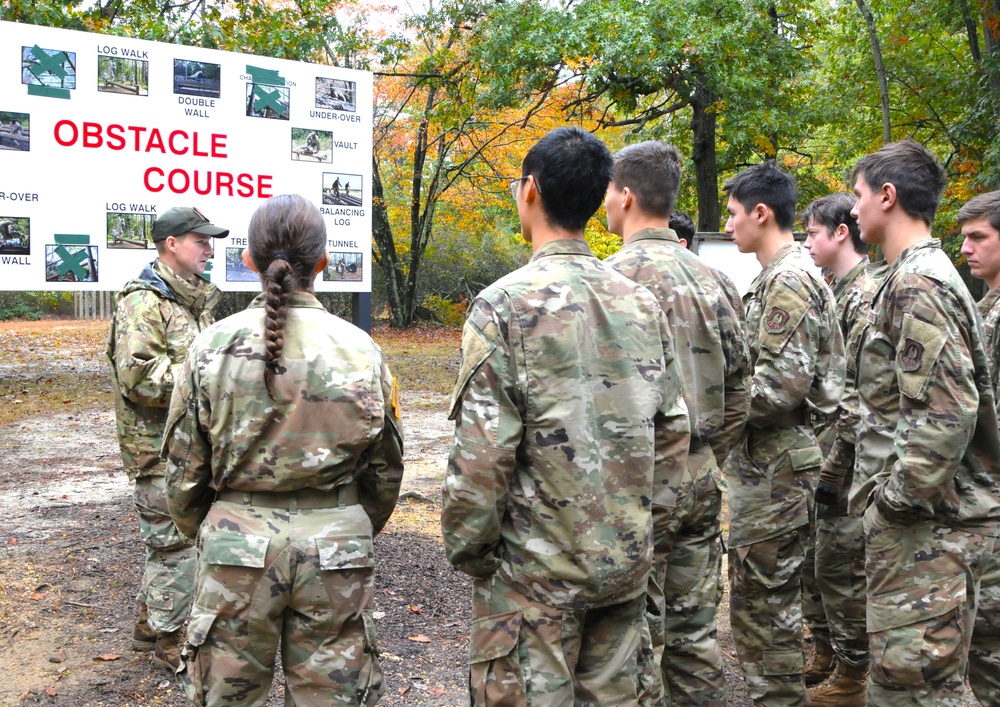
column 156, row 317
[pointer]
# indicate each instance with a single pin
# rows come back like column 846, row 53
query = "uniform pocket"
column 226, row 547
column 196, row 664
column 345, row 552
column 495, row 676
column 370, row 683
column 475, row 350
column 161, row 599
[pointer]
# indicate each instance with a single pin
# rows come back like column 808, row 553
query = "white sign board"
column 99, row 134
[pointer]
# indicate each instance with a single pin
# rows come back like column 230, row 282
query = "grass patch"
column 424, row 359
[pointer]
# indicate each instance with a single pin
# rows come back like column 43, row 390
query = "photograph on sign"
column 127, row 230
column 15, row 235
column 70, row 263
column 266, row 101
column 342, row 189
column 197, row 78
column 344, row 267
column 236, row 269
column 336, row 94
column 15, row 131
column 312, row 145
column 51, row 68
column 126, row 76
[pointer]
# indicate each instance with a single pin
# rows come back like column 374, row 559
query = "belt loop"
column 340, row 496
column 293, row 502
column 247, row 498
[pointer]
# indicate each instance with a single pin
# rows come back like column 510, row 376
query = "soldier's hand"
column 827, row 494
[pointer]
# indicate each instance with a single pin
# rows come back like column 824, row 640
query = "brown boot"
column 167, row 653
column 143, row 637
column 821, row 665
column 845, row 689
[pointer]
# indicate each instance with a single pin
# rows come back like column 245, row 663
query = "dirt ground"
column 72, row 559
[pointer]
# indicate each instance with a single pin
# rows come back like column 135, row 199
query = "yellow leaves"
column 601, row 241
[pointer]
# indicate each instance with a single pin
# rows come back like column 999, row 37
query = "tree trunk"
column 388, row 259
column 705, row 167
column 883, row 81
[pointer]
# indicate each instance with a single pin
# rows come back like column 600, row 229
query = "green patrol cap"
column 182, row 219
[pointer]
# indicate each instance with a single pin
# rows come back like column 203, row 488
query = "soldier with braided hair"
column 284, row 456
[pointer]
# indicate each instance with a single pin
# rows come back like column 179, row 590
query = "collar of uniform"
column 197, row 293
column 989, row 299
column 841, row 285
column 655, row 234
column 298, row 299
column 917, row 247
column 564, row 246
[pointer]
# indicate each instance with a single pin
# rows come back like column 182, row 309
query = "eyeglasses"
column 516, row 183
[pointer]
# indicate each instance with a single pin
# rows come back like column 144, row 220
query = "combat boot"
column 821, row 665
column 167, row 653
column 143, row 637
column 845, row 689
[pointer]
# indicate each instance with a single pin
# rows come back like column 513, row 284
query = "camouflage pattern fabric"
column 531, row 654
column 304, row 577
column 301, row 574
column 171, row 559
column 567, row 394
column 928, row 463
column 705, row 316
column 984, row 654
column 797, row 361
column 156, row 318
column 840, row 550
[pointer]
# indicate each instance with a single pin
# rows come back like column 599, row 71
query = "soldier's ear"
column 761, row 213
column 321, row 264
column 841, row 233
column 248, row 261
column 888, row 196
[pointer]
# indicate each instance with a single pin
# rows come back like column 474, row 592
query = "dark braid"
column 287, row 238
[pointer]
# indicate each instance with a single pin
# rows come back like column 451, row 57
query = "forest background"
column 464, row 87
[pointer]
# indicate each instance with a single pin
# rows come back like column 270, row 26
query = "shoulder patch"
column 776, row 321
column 911, row 355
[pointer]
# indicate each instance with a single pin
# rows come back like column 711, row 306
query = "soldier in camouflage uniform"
column 797, row 365
column 156, row 318
column 980, row 221
column 705, row 316
column 834, row 241
column 284, row 459
column 928, row 447
column 567, row 394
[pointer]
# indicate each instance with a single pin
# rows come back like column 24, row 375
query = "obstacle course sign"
column 98, row 134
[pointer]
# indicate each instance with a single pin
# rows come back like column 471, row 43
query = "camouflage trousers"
column 814, row 613
column 770, row 497
column 171, row 559
column 525, row 653
column 302, row 577
column 984, row 654
column 923, row 587
column 840, row 556
column 685, row 590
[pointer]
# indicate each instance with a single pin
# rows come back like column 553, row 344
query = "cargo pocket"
column 160, row 599
column 495, row 676
column 370, row 683
column 475, row 350
column 196, row 662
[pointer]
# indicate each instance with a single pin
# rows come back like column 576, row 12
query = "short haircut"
column 831, row 211
column 682, row 225
column 916, row 173
column 652, row 171
column 765, row 184
column 572, row 170
column 985, row 206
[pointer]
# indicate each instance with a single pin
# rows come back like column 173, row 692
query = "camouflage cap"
column 182, row 219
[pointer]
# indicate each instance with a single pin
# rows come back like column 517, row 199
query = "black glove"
column 827, row 494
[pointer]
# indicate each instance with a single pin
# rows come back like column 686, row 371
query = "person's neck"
column 640, row 222
column 546, row 234
column 902, row 233
column 771, row 243
column 846, row 261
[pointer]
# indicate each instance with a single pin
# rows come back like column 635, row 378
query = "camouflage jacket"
column 989, row 309
column 705, row 315
column 854, row 294
column 928, row 444
column 335, row 420
column 156, row 318
column 797, row 364
column 567, row 393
